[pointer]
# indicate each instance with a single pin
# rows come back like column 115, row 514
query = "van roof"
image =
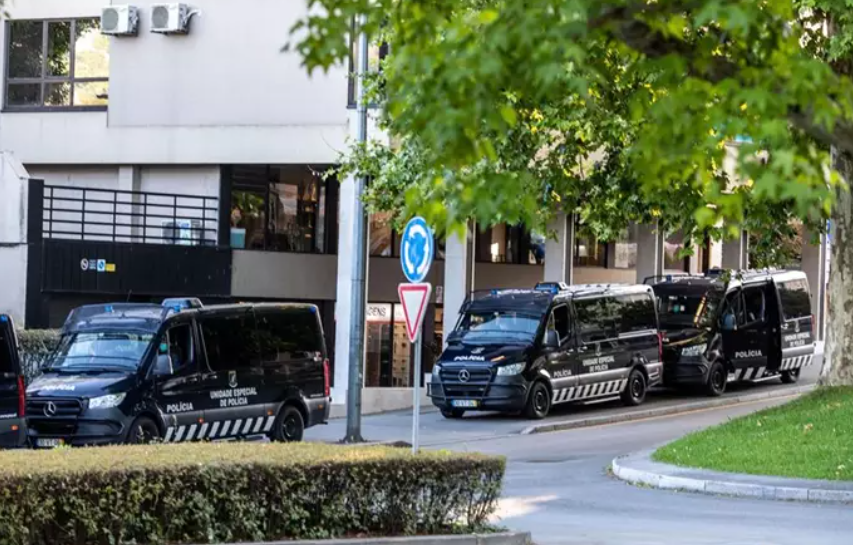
column 738, row 277
column 149, row 317
column 539, row 298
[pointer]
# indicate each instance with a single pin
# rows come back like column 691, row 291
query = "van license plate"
column 467, row 403
column 49, row 443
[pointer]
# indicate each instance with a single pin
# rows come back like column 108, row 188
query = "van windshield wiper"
column 86, row 369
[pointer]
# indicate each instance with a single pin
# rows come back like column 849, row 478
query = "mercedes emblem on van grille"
column 50, row 409
column 464, row 375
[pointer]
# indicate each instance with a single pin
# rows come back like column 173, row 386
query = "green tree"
column 649, row 92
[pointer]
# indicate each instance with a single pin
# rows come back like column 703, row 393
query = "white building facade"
column 142, row 167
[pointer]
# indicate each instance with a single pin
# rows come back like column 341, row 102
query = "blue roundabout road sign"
column 417, row 249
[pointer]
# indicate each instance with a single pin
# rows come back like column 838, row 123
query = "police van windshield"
column 681, row 308
column 102, row 350
column 497, row 326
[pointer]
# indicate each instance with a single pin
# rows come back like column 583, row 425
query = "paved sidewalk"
column 640, row 469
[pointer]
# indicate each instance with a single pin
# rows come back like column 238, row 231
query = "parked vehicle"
column 725, row 327
column 527, row 350
column 129, row 373
column 12, row 392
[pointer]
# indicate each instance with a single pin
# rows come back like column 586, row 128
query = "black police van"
column 732, row 326
column 527, row 350
column 130, row 373
column 12, row 393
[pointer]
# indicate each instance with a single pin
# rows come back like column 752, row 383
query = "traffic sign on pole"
column 417, row 250
column 414, row 299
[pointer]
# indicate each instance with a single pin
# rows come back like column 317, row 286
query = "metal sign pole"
column 416, row 416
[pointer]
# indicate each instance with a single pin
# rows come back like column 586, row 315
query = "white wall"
column 224, row 93
column 14, row 180
column 13, row 271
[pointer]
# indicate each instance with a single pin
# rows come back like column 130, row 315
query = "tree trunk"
column 837, row 366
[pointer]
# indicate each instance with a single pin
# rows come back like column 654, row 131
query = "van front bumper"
column 102, row 427
column 501, row 394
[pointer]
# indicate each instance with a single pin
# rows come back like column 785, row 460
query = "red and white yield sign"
column 414, row 298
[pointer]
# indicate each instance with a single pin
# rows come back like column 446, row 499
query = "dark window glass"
column 733, row 311
column 58, row 49
column 57, row 94
column 561, row 322
column 25, row 49
column 57, row 64
column 796, row 302
column 753, row 299
column 279, row 208
column 636, row 313
column 230, row 342
column 382, row 235
column 181, row 350
column 289, row 334
column 509, row 244
column 7, row 346
column 23, row 94
column 596, row 319
column 590, row 252
column 376, row 53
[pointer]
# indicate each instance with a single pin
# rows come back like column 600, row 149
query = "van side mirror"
column 728, row 323
column 552, row 340
column 163, row 366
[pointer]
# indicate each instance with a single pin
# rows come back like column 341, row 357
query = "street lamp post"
column 358, row 261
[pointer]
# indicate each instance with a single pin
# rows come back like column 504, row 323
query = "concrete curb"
column 670, row 477
column 505, row 538
column 667, row 410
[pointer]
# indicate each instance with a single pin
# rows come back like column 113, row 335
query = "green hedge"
column 239, row 492
column 36, row 346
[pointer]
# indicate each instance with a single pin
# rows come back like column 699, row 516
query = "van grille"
column 476, row 386
column 65, row 408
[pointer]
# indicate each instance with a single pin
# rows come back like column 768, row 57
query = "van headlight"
column 107, row 401
column 512, row 369
column 695, row 350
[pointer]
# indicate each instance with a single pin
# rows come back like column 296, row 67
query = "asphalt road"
column 557, row 485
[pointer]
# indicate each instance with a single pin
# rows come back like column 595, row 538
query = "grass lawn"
column 811, row 438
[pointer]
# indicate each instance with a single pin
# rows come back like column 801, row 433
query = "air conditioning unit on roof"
column 119, row 21
column 170, row 18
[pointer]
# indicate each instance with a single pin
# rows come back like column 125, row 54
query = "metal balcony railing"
column 128, row 216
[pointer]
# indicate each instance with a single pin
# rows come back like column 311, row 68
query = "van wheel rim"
column 289, row 427
column 718, row 381
column 540, row 401
column 637, row 387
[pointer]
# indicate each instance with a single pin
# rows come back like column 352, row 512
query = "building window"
column 589, row 252
column 625, row 249
column 376, row 53
column 510, row 244
column 673, row 245
column 385, row 241
column 280, row 209
column 57, row 65
column 382, row 236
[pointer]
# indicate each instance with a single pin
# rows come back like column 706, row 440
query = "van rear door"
column 11, row 385
column 797, row 327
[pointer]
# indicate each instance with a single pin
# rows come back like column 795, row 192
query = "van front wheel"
column 143, row 431
column 289, row 426
column 538, row 402
column 717, row 379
